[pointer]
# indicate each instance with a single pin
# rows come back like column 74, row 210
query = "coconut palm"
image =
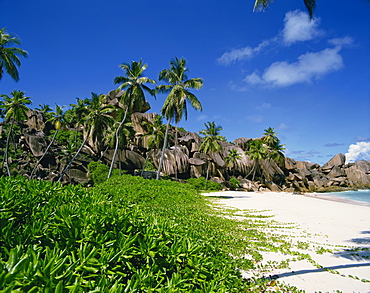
column 46, row 110
column 263, row 4
column 175, row 105
column 232, row 159
column 275, row 148
column 211, row 144
column 270, row 136
column 57, row 119
column 257, row 152
column 155, row 133
column 95, row 119
column 9, row 60
column 15, row 111
column 125, row 135
column 134, row 98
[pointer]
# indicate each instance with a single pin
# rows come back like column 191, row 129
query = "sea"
column 362, row 195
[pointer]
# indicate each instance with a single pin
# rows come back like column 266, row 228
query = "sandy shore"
column 335, row 225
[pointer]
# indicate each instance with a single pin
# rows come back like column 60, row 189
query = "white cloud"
column 241, row 54
column 202, row 117
column 341, row 41
column 263, row 106
column 358, row 151
column 298, row 27
column 255, row 118
column 309, row 66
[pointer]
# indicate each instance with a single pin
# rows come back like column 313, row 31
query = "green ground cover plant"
column 202, row 184
column 127, row 234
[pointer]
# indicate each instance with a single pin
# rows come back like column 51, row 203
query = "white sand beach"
column 333, row 225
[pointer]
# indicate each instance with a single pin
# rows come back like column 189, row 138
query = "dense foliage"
column 202, row 184
column 127, row 234
column 67, row 238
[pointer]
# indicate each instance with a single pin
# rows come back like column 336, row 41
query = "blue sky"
column 308, row 80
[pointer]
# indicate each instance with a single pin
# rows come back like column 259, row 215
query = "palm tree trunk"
column 146, row 160
column 74, row 157
column 176, row 151
column 43, row 155
column 208, row 166
column 256, row 163
column 5, row 161
column 163, row 149
column 117, row 143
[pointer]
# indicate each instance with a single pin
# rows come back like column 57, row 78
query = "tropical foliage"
column 232, row 159
column 211, row 142
column 15, row 107
column 175, row 105
column 95, row 119
column 9, row 60
column 134, row 98
column 263, row 4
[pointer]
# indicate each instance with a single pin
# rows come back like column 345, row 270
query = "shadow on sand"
column 359, row 253
column 319, row 270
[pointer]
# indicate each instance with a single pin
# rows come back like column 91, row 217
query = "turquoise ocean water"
column 362, row 195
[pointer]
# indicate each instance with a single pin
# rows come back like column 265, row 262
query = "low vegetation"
column 127, row 234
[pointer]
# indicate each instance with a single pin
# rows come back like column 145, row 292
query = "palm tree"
column 57, row 119
column 263, row 4
column 46, row 110
column 134, row 97
column 257, row 152
column 96, row 120
column 9, row 60
column 211, row 142
column 16, row 110
column 232, row 159
column 178, row 88
column 155, row 134
column 270, row 136
column 126, row 133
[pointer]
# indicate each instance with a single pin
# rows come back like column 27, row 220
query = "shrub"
column 234, row 183
column 98, row 172
column 202, row 184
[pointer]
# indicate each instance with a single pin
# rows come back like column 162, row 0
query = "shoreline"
column 333, row 197
column 341, row 227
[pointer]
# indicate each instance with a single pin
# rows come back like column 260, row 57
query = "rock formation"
column 183, row 160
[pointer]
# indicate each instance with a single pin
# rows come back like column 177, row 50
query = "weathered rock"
column 37, row 121
column 139, row 119
column 127, row 159
column 174, row 160
column 337, row 160
column 272, row 186
column 290, row 164
column 197, row 162
column 36, row 143
column 249, row 185
column 358, row 173
column 242, row 143
column 336, row 171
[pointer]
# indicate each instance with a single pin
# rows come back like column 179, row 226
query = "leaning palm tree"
column 134, row 98
column 9, row 60
column 174, row 107
column 263, row 4
column 96, row 119
column 125, row 135
column 232, row 159
column 211, row 143
column 257, row 152
column 57, row 119
column 15, row 110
